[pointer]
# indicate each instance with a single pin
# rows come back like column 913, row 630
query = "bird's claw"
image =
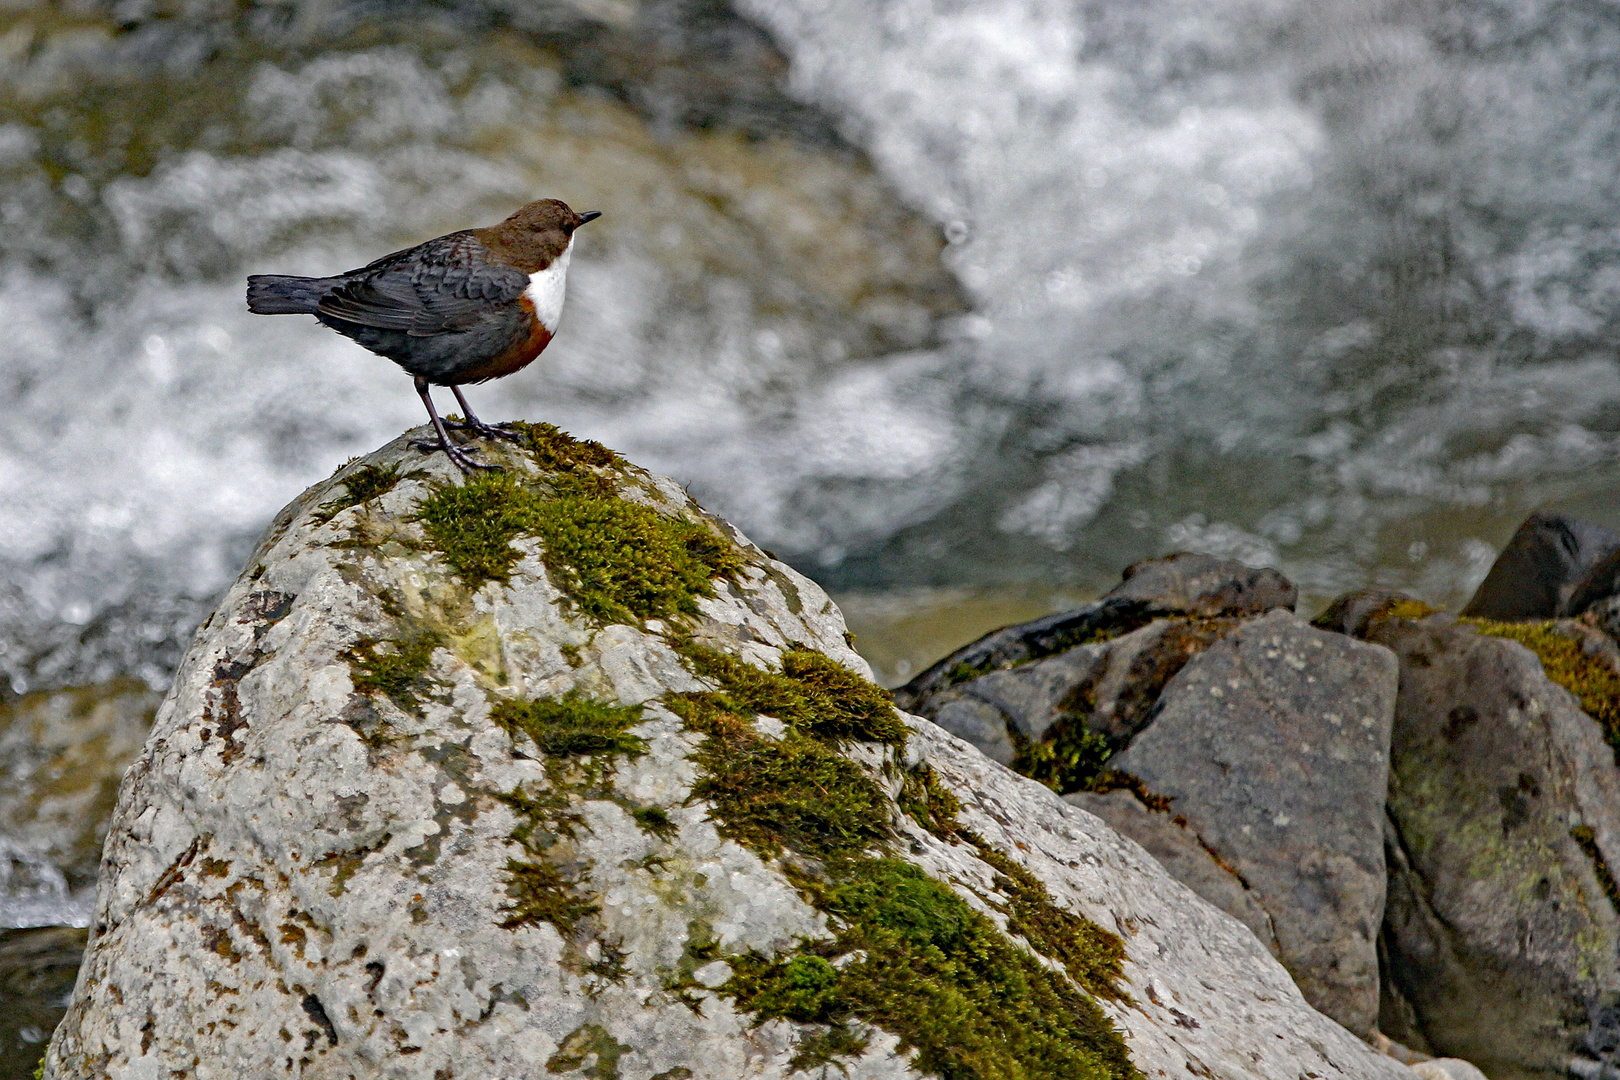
column 458, row 455
column 485, row 431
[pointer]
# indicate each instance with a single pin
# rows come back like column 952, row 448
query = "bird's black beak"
column 589, row 215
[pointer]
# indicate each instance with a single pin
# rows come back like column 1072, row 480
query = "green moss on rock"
column 581, row 740
column 395, row 668
column 554, row 450
column 929, row 803
column 790, row 793
column 1092, row 955
column 908, row 954
column 915, row 959
column 622, row 562
column 1595, row 684
column 591, row 1050
column 573, row 726
column 541, row 892
column 361, row 486
column 617, row 561
column 813, row 693
column 473, row 524
column 1070, row 759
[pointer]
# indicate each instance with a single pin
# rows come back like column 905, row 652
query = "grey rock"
column 1273, row 744
column 1171, row 841
column 1352, row 612
column 1540, row 569
column 1504, row 808
column 1605, row 615
column 1203, row 586
column 300, row 871
column 1109, row 687
column 1598, row 586
column 1184, row 585
column 980, row 723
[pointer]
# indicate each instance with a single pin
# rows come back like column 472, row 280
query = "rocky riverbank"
column 550, row 766
column 1416, row 812
column 553, row 766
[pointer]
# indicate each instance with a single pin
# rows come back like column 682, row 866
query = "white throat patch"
column 546, row 287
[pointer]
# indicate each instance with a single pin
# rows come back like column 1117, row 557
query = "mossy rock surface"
column 1502, row 919
column 554, row 767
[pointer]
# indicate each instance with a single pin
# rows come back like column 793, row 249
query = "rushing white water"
column 1332, row 286
column 1326, row 268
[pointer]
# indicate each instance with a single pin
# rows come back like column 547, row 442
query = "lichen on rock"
column 553, row 767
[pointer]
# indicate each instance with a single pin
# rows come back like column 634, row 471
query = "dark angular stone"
column 1600, row 583
column 1542, row 565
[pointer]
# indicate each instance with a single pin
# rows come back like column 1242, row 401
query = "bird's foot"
column 458, row 455
column 485, row 431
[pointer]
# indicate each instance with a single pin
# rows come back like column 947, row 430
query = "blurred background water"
column 957, row 305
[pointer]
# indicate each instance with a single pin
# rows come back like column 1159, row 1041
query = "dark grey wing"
column 433, row 288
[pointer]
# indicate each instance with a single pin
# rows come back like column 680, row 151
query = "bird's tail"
column 276, row 294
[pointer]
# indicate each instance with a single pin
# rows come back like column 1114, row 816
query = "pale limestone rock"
column 303, row 880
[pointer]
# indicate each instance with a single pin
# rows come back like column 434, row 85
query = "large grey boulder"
column 1272, row 745
column 1504, row 807
column 449, row 786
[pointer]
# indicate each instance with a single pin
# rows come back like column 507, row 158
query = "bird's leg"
column 456, row 454
column 477, row 426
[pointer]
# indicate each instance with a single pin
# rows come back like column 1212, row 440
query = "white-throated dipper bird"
column 463, row 308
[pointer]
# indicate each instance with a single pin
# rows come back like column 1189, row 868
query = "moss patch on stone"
column 591, row 1050
column 617, row 561
column 929, row 803
column 792, row 793
column 916, row 960
column 1070, row 756
column 395, row 668
column 1092, row 955
column 554, row 450
column 473, row 524
column 1069, row 760
column 813, row 693
column 966, row 671
column 908, row 954
column 573, row 726
column 622, row 562
column 581, row 740
column 360, row 486
column 1595, row 684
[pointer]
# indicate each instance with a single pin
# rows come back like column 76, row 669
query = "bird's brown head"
column 539, row 232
